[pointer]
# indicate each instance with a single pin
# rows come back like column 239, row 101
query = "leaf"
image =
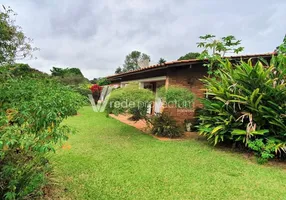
column 216, row 129
column 238, row 132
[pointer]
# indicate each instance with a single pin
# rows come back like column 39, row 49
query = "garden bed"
column 144, row 127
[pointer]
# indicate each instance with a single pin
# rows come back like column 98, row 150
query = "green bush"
column 247, row 102
column 31, row 113
column 177, row 96
column 165, row 126
column 130, row 99
column 102, row 81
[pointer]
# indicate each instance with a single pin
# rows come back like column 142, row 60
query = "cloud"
column 96, row 35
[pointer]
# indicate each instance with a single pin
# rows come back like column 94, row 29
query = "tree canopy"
column 57, row 71
column 133, row 60
column 14, row 45
column 219, row 46
column 161, row 61
column 191, row 55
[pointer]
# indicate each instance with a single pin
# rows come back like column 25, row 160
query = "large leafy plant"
column 216, row 48
column 165, row 126
column 247, row 102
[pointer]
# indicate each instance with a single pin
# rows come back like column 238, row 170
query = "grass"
column 111, row 160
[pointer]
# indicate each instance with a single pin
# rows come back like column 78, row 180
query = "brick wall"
column 189, row 78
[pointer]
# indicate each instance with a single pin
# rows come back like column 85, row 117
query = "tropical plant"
column 215, row 49
column 165, row 126
column 130, row 99
column 179, row 97
column 247, row 102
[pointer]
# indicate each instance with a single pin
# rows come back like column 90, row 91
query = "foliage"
column 102, row 81
column 31, row 113
column 63, row 72
column 133, row 60
column 69, row 76
column 20, row 69
column 13, row 43
column 118, row 70
column 165, row 126
column 282, row 48
column 93, row 81
column 215, row 49
column 130, row 99
column 177, row 96
column 161, row 61
column 247, row 102
column 265, row 150
column 83, row 90
column 191, row 55
column 72, row 80
column 95, row 88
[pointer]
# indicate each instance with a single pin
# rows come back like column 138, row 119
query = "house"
column 184, row 73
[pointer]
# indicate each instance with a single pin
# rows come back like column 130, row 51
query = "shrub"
column 31, row 113
column 247, row 102
column 95, row 90
column 102, row 81
column 165, row 126
column 177, row 96
column 130, row 99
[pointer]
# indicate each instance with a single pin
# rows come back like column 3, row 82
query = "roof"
column 185, row 62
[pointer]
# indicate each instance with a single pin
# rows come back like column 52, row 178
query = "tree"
column 133, row 60
column 282, row 47
column 221, row 46
column 57, row 71
column 214, row 49
column 93, row 81
column 161, row 61
column 118, row 70
column 102, row 81
column 69, row 76
column 14, row 44
column 191, row 55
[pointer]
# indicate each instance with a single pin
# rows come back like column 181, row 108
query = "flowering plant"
column 95, row 88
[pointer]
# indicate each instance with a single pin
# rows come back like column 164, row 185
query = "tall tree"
column 133, row 60
column 219, row 46
column 282, row 47
column 57, row 71
column 216, row 48
column 118, row 70
column 191, row 55
column 13, row 43
column 161, row 61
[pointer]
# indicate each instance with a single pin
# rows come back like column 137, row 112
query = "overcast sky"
column 96, row 35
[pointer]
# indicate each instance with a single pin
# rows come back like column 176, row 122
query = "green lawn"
column 111, row 160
